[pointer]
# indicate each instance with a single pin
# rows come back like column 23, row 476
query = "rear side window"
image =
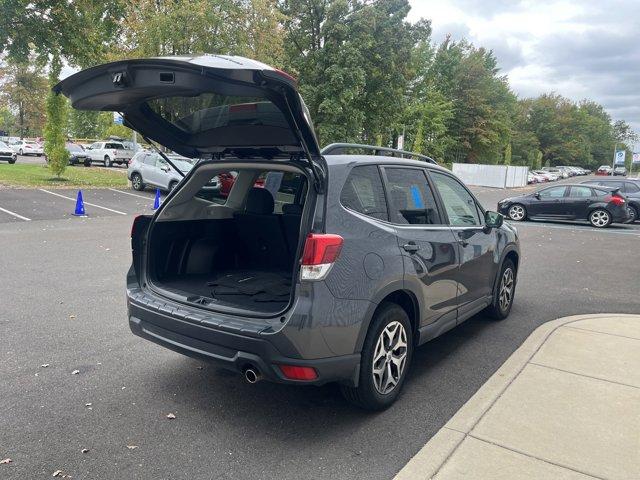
column 460, row 206
column 580, row 192
column 631, row 187
column 363, row 192
column 410, row 197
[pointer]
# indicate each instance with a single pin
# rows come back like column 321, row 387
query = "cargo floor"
column 248, row 289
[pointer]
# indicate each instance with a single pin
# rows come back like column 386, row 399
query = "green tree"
column 55, row 134
column 23, row 92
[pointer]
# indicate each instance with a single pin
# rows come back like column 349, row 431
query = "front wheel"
column 505, row 290
column 136, row 182
column 87, row 163
column 600, row 218
column 21, row 152
column 517, row 212
column 385, row 359
column 172, row 185
column 12, row 161
column 107, row 161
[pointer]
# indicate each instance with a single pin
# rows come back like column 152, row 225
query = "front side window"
column 410, row 197
column 554, row 192
column 580, row 192
column 363, row 192
column 460, row 206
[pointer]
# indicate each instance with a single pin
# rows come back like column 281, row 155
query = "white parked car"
column 150, row 169
column 26, row 147
column 109, row 153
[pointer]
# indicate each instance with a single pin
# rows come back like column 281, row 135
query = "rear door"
column 578, row 200
column 427, row 244
column 476, row 245
column 205, row 106
column 548, row 203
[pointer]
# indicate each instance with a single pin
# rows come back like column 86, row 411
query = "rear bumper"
column 235, row 350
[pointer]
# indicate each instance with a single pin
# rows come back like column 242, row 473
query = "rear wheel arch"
column 406, row 300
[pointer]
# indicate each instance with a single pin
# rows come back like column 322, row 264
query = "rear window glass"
column 209, row 111
column 218, row 188
column 363, row 192
column 285, row 187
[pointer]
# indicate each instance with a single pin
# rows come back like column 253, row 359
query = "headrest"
column 259, row 201
column 292, row 209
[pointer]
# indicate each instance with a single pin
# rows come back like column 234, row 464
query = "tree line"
column 368, row 75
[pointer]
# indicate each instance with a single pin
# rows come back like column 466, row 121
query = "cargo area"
column 244, row 261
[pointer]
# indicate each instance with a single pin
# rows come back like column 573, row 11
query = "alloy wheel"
column 599, row 218
column 633, row 214
column 506, row 289
column 516, row 212
column 389, row 357
column 136, row 181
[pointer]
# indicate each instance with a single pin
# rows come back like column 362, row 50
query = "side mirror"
column 493, row 219
column 537, row 195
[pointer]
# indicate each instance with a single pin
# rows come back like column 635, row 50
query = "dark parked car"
column 628, row 187
column 600, row 206
column 335, row 275
column 77, row 155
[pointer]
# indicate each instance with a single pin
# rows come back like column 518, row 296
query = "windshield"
column 72, row 147
column 3, row 145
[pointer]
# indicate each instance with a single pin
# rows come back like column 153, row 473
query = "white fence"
column 498, row 176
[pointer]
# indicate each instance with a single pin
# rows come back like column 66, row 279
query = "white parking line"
column 86, row 203
column 129, row 193
column 15, row 214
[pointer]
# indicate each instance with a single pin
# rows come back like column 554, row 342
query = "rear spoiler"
column 343, row 149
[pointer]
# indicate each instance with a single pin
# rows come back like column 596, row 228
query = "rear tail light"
column 320, row 253
column 616, row 200
column 294, row 372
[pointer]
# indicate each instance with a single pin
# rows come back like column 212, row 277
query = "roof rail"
column 341, row 149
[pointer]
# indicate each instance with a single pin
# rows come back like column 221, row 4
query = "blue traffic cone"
column 79, row 205
column 156, row 202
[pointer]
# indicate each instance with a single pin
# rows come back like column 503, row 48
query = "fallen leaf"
column 44, row 365
column 72, row 316
column 6, row 461
column 171, row 416
column 88, row 404
column 84, row 450
column 57, row 473
column 75, row 372
column 132, row 447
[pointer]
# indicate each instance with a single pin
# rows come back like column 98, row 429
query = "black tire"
column 600, row 218
column 633, row 211
column 172, row 185
column 517, row 212
column 499, row 310
column 21, row 153
column 12, row 161
column 367, row 395
column 107, row 161
column 136, row 182
column 87, row 163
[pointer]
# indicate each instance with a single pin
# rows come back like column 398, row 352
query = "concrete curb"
column 428, row 461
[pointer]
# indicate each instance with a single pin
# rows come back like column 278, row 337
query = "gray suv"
column 314, row 266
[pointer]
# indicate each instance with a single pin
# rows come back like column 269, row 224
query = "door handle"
column 411, row 247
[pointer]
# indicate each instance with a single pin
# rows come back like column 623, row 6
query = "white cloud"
column 585, row 49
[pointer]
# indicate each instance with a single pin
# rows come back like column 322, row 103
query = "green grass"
column 27, row 175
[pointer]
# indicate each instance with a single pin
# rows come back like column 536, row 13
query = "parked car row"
column 608, row 170
column 551, row 174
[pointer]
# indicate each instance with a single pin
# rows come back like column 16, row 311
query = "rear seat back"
column 261, row 232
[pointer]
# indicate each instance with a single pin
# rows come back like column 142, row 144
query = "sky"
column 578, row 49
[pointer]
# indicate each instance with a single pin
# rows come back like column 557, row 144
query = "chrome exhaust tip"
column 251, row 375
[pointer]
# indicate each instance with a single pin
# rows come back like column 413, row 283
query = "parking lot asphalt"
column 63, row 306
